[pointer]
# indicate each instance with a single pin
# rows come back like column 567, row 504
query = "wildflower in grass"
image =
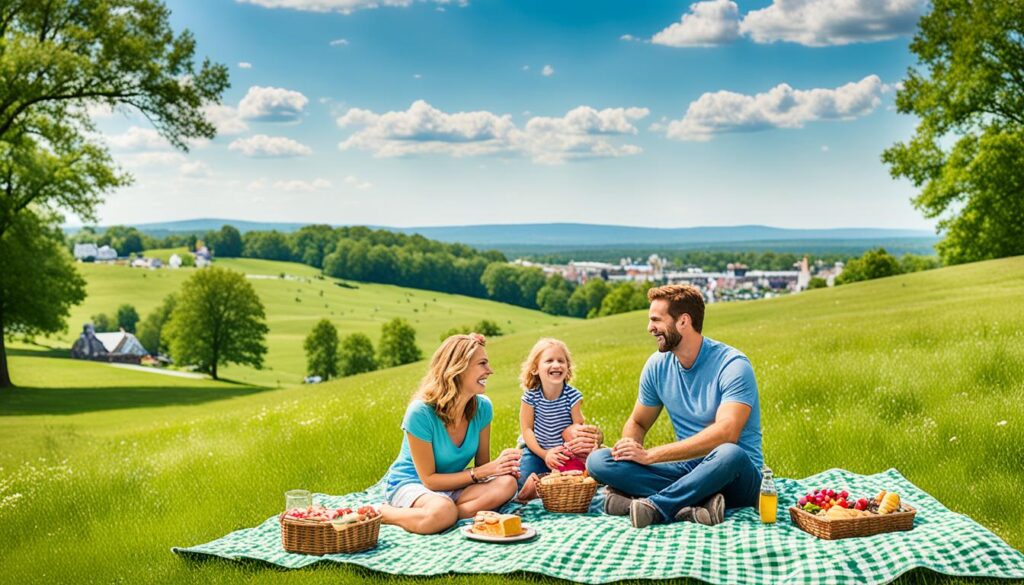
column 1001, row 423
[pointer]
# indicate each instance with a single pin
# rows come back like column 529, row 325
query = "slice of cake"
column 495, row 524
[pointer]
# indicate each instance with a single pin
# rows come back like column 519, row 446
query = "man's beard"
column 672, row 340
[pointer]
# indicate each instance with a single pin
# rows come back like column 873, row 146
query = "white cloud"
column 297, row 185
column 152, row 159
column 417, row 76
column 832, row 22
column 526, row 67
column 272, row 104
column 547, row 71
column 583, row 132
column 263, row 146
column 712, row 22
column 627, row 38
column 339, row 43
column 195, row 168
column 824, row 148
column 138, row 138
column 245, row 65
column 342, row 6
column 226, row 119
column 357, row 182
column 780, row 107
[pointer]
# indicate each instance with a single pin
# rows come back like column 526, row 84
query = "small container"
column 297, row 499
column 768, row 502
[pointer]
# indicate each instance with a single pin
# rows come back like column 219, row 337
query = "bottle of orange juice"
column 768, row 503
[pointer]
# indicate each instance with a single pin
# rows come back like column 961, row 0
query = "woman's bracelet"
column 472, row 475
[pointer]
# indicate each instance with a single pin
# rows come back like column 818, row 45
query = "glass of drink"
column 301, row 499
column 768, row 502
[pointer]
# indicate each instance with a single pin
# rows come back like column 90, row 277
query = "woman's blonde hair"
column 529, row 377
column 439, row 388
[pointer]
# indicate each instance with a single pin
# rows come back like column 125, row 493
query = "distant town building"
column 203, row 256
column 174, row 261
column 86, row 252
column 106, row 253
column 119, row 346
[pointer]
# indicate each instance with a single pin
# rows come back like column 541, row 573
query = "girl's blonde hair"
column 529, row 377
column 439, row 388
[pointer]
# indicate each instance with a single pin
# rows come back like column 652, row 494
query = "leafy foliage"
column 397, row 344
column 967, row 154
column 873, row 264
column 218, row 319
column 356, row 355
column 151, row 332
column 321, row 347
column 127, row 318
column 38, row 281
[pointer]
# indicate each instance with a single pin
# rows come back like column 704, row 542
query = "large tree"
column 58, row 60
column 967, row 154
column 218, row 319
column 38, row 282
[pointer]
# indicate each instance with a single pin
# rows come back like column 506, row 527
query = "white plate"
column 528, row 533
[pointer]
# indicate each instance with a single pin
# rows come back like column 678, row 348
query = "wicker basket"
column 311, row 537
column 836, row 528
column 572, row 498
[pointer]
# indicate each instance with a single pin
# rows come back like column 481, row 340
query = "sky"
column 432, row 112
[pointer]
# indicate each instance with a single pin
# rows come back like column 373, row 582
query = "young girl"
column 550, row 406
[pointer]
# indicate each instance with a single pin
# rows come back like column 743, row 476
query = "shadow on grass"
column 40, row 351
column 23, row 400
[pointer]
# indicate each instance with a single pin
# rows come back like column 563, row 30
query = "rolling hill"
column 920, row 372
column 295, row 298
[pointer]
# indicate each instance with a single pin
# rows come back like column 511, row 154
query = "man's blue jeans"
column 530, row 463
column 671, row 486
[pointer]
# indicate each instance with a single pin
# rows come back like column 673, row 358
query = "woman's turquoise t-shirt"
column 423, row 423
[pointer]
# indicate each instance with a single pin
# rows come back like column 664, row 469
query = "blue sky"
column 439, row 113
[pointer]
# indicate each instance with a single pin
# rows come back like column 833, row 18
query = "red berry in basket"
column 802, row 501
column 831, row 494
column 844, row 494
column 862, row 504
column 842, row 503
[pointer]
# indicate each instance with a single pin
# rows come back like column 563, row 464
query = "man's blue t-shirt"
column 692, row 396
column 423, row 423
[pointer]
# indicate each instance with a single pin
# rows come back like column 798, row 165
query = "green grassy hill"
column 294, row 304
column 917, row 372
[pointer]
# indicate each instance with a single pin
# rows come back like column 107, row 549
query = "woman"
column 447, row 424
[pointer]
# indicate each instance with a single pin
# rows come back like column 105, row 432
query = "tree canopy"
column 218, row 319
column 58, row 60
column 397, row 344
column 321, row 347
column 967, row 153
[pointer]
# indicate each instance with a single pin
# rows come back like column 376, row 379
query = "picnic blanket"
column 594, row 548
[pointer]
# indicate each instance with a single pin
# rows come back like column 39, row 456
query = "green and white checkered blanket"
column 594, row 548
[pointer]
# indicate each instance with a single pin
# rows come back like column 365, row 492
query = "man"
column 710, row 393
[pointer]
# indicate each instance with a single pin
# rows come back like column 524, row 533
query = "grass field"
column 293, row 305
column 104, row 470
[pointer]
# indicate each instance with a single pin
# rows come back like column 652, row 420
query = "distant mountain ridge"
column 571, row 234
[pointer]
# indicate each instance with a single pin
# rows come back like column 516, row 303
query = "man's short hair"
column 682, row 298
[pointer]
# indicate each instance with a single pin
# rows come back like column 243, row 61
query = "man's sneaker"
column 711, row 512
column 616, row 503
column 642, row 513
column 685, row 514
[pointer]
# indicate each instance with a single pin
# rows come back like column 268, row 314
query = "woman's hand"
column 507, row 463
column 556, row 457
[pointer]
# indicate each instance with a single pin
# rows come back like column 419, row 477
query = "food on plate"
column 495, row 524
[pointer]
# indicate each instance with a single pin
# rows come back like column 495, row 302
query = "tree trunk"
column 213, row 370
column 5, row 374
